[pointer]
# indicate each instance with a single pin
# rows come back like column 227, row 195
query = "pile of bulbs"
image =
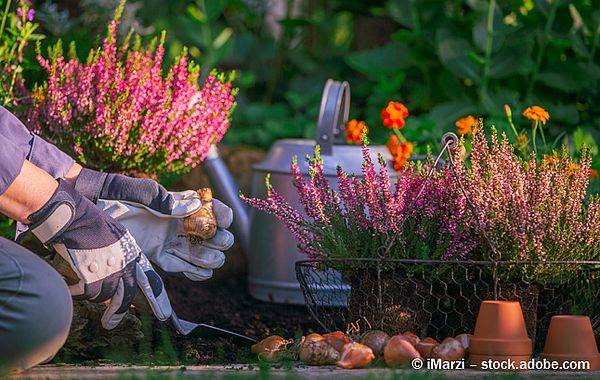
column 337, row 348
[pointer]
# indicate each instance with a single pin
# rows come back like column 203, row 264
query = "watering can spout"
column 227, row 191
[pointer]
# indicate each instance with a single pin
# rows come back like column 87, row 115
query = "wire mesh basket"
column 442, row 298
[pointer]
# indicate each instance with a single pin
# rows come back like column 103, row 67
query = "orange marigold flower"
column 393, row 144
column 552, row 159
column 38, row 96
column 573, row 168
column 401, row 155
column 394, row 114
column 593, row 173
column 467, row 124
column 354, row 131
column 536, row 113
column 522, row 140
column 399, row 163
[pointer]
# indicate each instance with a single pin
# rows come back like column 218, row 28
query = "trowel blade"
column 202, row 330
column 207, row 331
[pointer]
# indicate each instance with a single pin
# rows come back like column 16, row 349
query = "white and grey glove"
column 154, row 216
column 147, row 193
column 101, row 252
column 163, row 239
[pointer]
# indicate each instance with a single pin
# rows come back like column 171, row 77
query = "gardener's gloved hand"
column 154, row 216
column 101, row 252
column 147, row 193
column 163, row 239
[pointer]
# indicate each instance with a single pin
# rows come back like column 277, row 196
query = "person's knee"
column 35, row 308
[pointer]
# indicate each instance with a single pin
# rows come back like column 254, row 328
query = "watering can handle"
column 335, row 106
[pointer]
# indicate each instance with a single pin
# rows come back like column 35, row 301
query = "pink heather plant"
column 533, row 211
column 369, row 217
column 118, row 111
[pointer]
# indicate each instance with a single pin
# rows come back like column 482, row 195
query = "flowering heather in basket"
column 533, row 211
column 370, row 217
column 118, row 111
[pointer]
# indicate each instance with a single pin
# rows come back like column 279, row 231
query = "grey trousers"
column 35, row 309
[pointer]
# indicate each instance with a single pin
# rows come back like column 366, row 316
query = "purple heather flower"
column 119, row 106
column 364, row 214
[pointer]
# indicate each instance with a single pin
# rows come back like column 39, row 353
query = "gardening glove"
column 147, row 193
column 99, row 250
column 153, row 289
column 144, row 192
column 163, row 239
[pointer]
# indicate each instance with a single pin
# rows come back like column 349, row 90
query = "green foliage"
column 7, row 227
column 16, row 31
column 443, row 59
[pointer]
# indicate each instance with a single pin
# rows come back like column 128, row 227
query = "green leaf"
column 543, row 6
column 450, row 86
column 477, row 5
column 292, row 23
column 380, row 60
column 494, row 102
column 504, row 64
column 213, row 9
column 561, row 42
column 405, row 35
column 579, row 46
column 444, row 115
column 476, row 58
column 480, row 30
column 399, row 11
column 571, row 77
column 581, row 137
column 196, row 14
column 565, row 113
column 451, row 51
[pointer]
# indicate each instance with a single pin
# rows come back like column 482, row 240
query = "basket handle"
column 335, row 106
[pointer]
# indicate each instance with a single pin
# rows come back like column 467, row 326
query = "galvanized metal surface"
column 270, row 248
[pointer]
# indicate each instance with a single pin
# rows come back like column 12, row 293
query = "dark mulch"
column 224, row 301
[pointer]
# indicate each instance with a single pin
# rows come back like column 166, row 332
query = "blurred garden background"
column 444, row 60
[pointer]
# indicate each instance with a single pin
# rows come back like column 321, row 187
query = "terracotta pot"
column 571, row 337
column 500, row 330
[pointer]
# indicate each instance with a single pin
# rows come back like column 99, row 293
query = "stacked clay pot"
column 500, row 334
column 571, row 337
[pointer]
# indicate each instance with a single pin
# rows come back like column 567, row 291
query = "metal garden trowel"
column 202, row 330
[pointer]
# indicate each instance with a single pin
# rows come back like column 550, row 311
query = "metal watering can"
column 270, row 248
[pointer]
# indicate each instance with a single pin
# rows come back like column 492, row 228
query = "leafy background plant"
column 443, row 59
column 17, row 30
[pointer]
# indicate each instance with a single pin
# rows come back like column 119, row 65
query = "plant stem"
column 535, row 125
column 6, row 9
column 399, row 135
column 489, row 45
column 542, row 49
column 543, row 137
column 512, row 126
